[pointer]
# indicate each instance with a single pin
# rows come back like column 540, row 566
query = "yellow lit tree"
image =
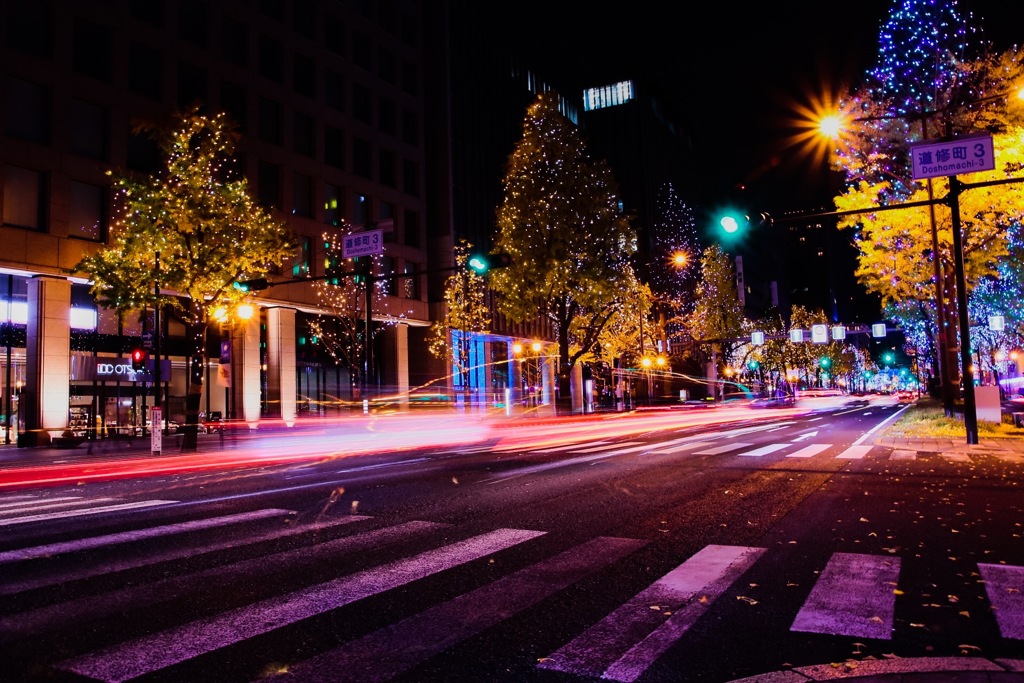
column 466, row 312
column 190, row 232
column 560, row 222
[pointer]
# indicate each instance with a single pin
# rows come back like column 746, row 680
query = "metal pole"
column 368, row 341
column 970, row 411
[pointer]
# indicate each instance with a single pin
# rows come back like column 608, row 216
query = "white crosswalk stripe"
column 809, row 450
column 609, row 649
column 66, row 512
column 161, row 650
column 853, row 596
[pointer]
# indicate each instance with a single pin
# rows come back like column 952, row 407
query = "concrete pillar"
column 46, row 398
column 245, row 362
column 394, row 365
column 281, row 344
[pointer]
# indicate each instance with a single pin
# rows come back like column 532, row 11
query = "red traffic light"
column 138, row 357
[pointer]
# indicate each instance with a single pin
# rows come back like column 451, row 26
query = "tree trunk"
column 193, row 400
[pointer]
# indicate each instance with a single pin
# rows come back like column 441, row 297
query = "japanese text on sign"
column 953, row 157
column 363, row 244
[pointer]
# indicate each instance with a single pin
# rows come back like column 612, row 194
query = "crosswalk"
column 853, row 594
column 731, row 443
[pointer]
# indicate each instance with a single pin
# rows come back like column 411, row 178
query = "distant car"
column 774, row 402
column 906, row 395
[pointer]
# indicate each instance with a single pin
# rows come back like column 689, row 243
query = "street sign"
column 366, row 243
column 757, row 338
column 819, row 334
column 839, row 332
column 968, row 154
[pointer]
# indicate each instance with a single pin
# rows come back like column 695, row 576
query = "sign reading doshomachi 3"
column 968, row 154
column 363, row 243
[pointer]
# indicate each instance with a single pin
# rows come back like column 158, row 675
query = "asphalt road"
column 649, row 547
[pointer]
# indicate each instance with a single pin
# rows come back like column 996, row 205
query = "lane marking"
column 853, row 596
column 625, row 643
column 34, row 501
column 854, row 452
column 606, row 447
column 49, row 549
column 809, row 450
column 681, row 447
column 1005, row 587
column 88, row 511
column 44, row 580
column 723, row 449
column 172, row 646
column 388, row 652
column 764, row 450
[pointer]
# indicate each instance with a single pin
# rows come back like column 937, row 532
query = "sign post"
column 156, row 429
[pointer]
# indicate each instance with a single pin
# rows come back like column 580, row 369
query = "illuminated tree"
column 560, row 222
column 717, row 321
column 466, row 312
column 931, row 81
column 620, row 338
column 191, row 229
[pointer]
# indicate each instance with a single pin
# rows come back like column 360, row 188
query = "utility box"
column 986, row 401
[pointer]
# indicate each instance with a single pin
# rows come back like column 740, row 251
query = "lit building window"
column 608, row 95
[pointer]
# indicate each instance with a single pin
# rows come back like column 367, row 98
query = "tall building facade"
column 328, row 96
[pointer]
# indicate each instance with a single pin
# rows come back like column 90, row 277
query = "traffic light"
column 139, row 357
column 482, row 263
column 888, row 357
column 753, row 364
column 251, row 285
column 733, row 224
column 825, row 362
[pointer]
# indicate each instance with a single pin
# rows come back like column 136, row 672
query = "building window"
column 410, row 78
column 334, row 147
column 145, row 71
column 361, row 50
column 191, row 85
column 360, row 209
column 85, row 212
column 234, row 41
column 386, row 68
column 361, row 109
column 233, row 100
column 608, row 95
column 387, row 120
column 30, row 27
column 302, row 195
column 303, row 135
column 304, row 75
column 410, row 127
column 273, row 9
column 334, row 35
column 411, row 283
column 386, row 168
column 91, row 49
column 149, row 11
column 361, row 164
column 88, row 129
column 411, row 178
column 334, row 90
column 193, row 22
column 334, row 207
column 24, row 198
column 411, row 229
column 304, row 18
column 269, row 182
column 27, row 110
column 388, row 285
column 271, row 59
column 303, row 257
column 270, row 121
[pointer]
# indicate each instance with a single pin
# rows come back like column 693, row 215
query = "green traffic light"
column 478, row 264
column 729, row 224
column 825, row 362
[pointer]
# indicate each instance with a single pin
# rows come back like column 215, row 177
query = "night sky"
column 738, row 74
